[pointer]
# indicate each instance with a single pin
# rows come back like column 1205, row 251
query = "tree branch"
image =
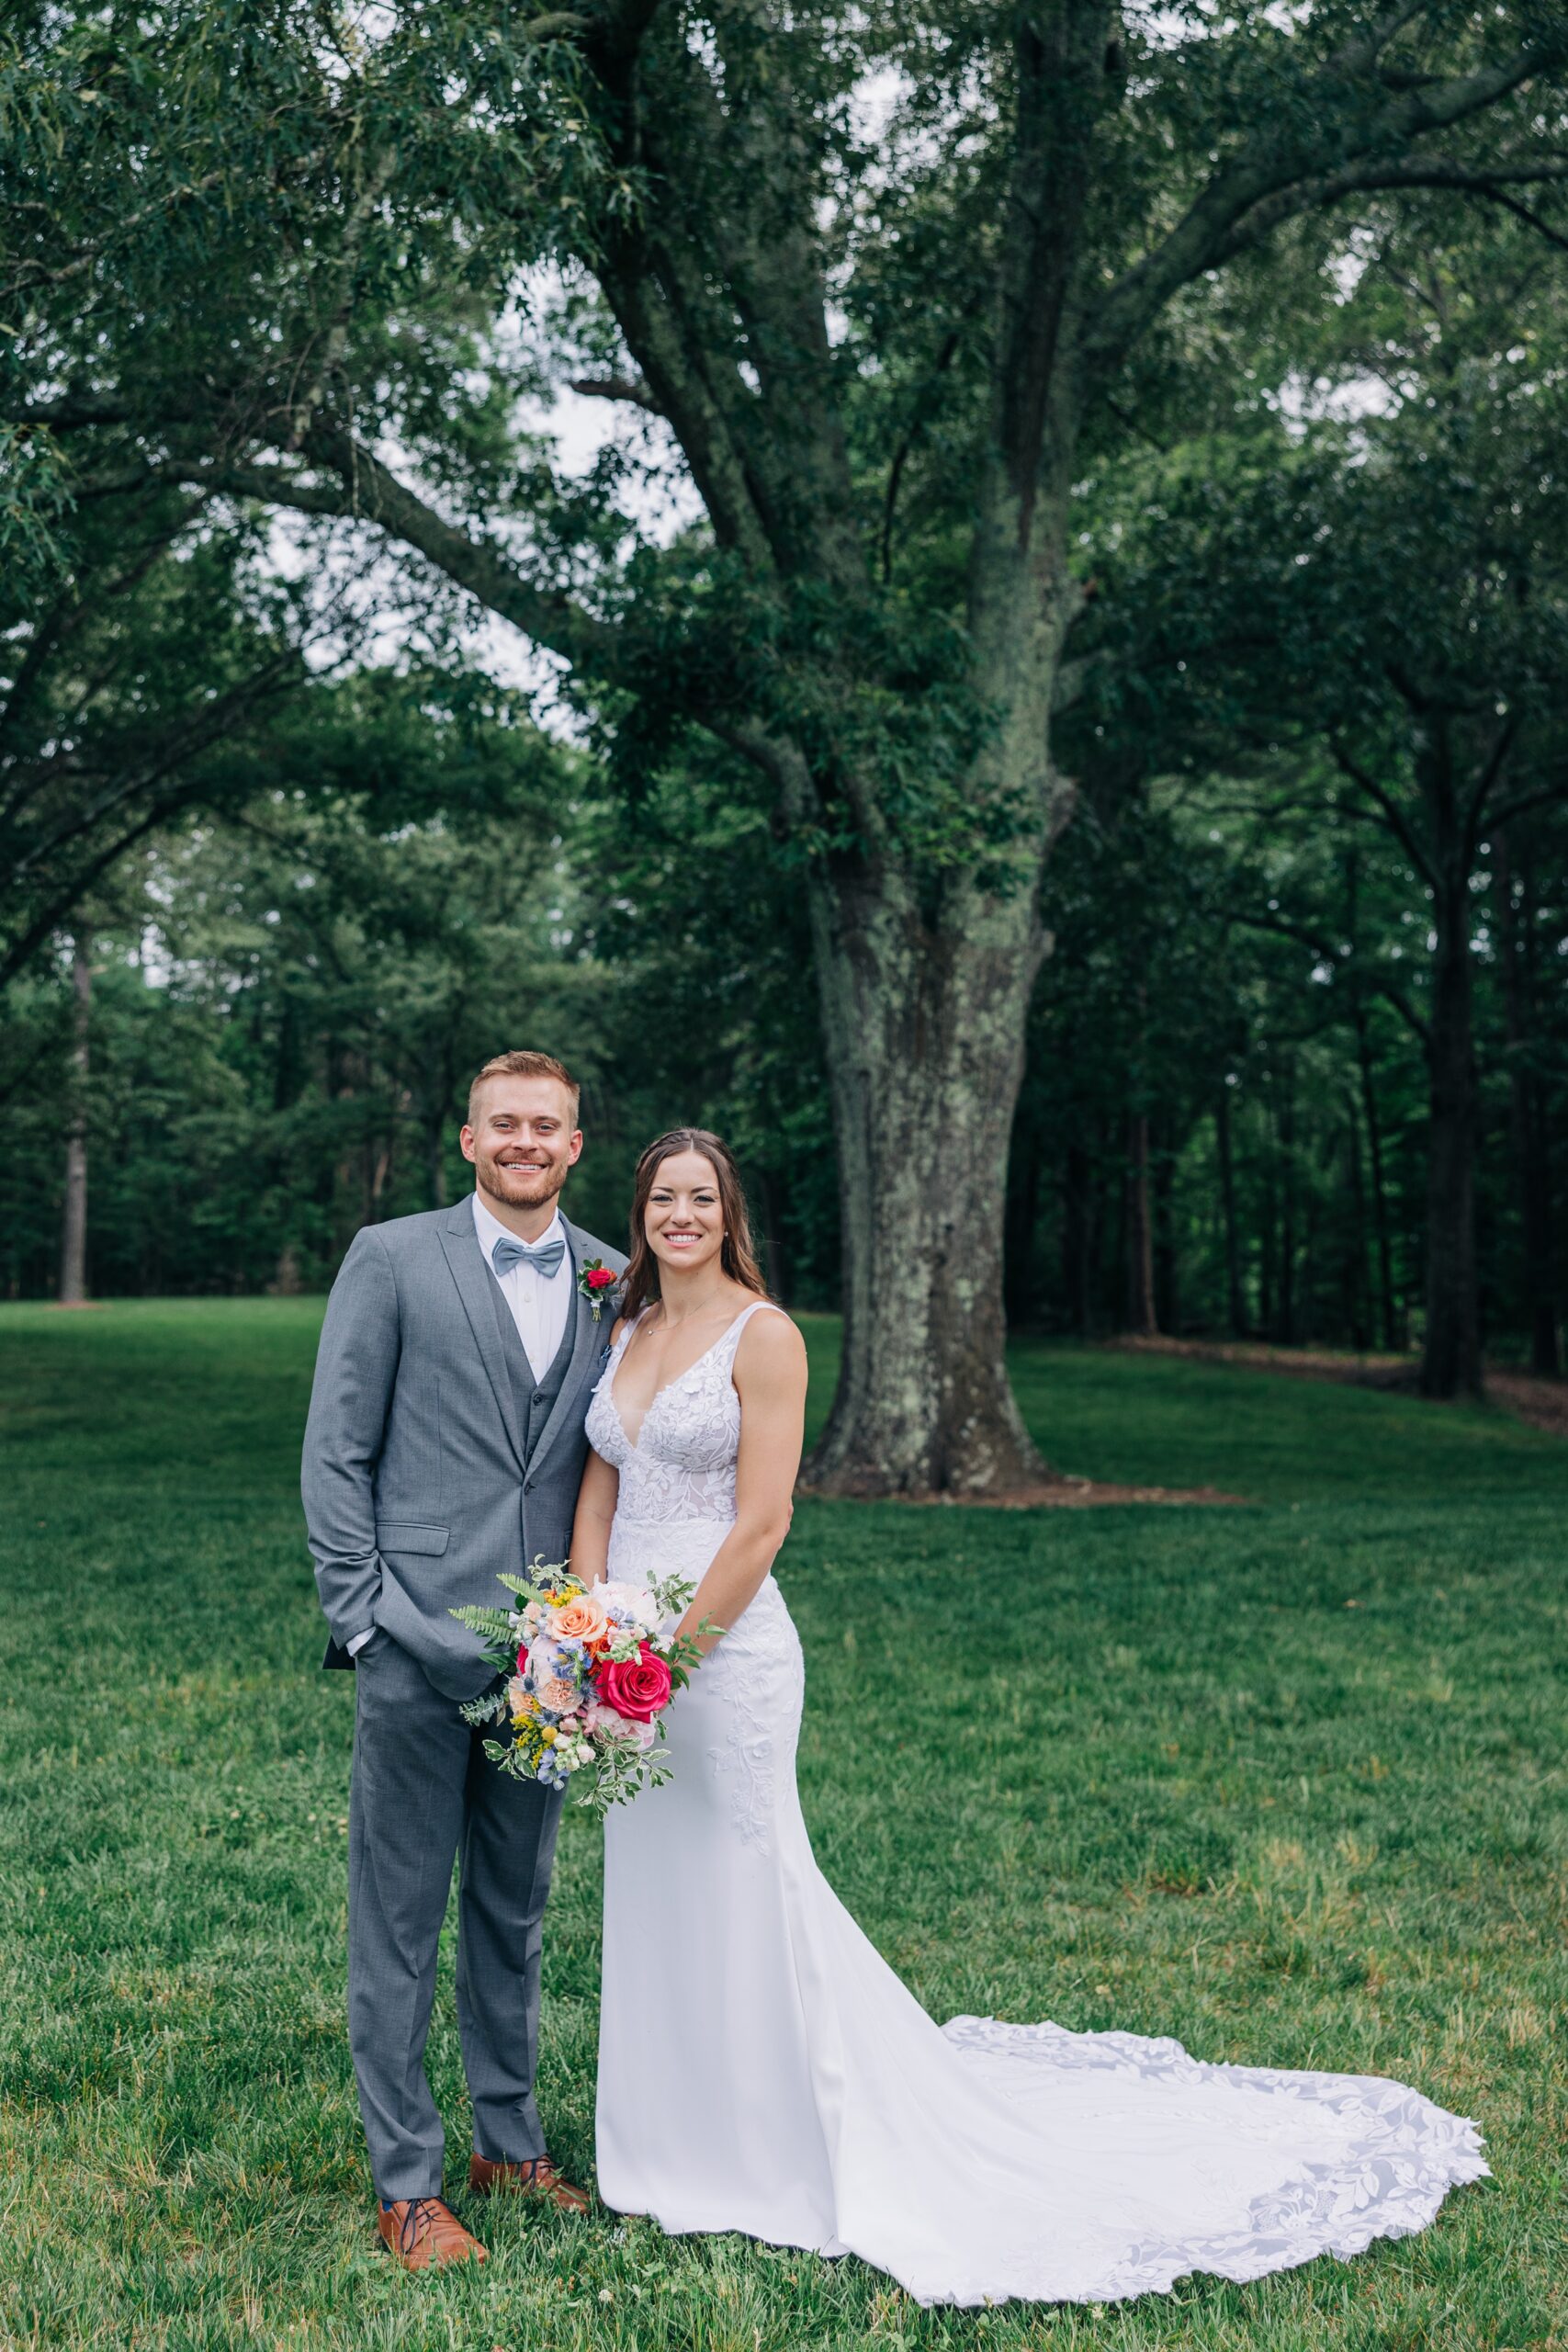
column 1270, row 171
column 1392, row 815
column 1411, row 171
column 616, row 388
column 367, row 490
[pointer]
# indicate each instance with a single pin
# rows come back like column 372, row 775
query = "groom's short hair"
column 525, row 1065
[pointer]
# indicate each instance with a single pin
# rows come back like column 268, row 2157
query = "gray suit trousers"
column 424, row 1794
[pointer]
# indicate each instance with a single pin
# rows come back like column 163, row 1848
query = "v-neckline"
column 635, row 1443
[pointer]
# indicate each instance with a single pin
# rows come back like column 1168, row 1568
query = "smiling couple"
column 483, row 1401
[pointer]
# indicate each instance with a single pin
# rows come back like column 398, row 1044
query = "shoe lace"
column 422, row 2214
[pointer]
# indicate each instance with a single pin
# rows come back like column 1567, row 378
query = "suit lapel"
column 474, row 1281
column 587, row 1338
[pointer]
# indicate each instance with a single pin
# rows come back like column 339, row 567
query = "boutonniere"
column 596, row 1280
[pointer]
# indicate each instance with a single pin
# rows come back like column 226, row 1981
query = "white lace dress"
column 762, row 2069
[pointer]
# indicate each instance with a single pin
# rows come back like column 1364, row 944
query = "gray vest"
column 535, row 1400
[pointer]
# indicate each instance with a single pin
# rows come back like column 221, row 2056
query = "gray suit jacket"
column 416, row 1491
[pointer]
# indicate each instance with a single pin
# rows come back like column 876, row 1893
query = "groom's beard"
column 524, row 1187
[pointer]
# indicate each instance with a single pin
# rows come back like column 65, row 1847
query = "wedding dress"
column 761, row 2068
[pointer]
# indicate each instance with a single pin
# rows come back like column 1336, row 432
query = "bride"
column 760, row 2067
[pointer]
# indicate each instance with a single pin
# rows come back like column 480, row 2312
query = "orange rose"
column 582, row 1620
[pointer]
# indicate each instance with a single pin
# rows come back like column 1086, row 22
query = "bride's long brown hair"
column 736, row 1255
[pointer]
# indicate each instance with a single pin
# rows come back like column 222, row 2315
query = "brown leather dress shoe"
column 535, row 2178
column 424, row 2233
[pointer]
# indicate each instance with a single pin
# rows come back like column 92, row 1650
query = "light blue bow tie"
column 547, row 1256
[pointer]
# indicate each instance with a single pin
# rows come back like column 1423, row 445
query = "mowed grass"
column 1285, row 1781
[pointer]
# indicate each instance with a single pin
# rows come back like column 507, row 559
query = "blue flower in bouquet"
column 553, row 1773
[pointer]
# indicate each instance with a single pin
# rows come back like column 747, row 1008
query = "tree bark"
column 1022, row 1214
column 925, row 1023
column 73, row 1221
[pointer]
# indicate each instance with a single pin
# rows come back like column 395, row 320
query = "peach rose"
column 581, row 1620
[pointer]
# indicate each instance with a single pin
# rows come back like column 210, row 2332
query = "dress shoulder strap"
column 758, row 1307
column 638, row 1319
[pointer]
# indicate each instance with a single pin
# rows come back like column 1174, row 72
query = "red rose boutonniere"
column 596, row 1280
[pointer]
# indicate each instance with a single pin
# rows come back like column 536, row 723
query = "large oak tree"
column 878, row 283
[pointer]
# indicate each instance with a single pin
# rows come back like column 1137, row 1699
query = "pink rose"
column 522, row 1660
column 637, row 1688
column 600, row 1278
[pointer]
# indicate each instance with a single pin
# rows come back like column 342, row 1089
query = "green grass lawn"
column 1284, row 1781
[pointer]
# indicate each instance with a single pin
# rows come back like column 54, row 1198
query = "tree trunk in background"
column 776, row 1257
column 74, row 1222
column 1450, row 1362
column 1142, row 1317
column 1529, row 1134
column 1286, row 1132
column 435, row 1163
column 1358, row 1286
column 1079, row 1243
column 1167, row 1302
column 924, row 1024
column 1235, row 1298
column 1393, row 1337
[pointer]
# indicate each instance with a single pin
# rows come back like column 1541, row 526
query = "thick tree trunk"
column 1451, row 1364
column 74, row 1222
column 924, row 1024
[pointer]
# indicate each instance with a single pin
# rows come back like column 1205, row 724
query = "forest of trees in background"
column 1221, row 1133
column 1270, row 775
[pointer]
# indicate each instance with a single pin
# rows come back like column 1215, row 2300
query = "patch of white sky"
column 367, row 586
column 380, row 622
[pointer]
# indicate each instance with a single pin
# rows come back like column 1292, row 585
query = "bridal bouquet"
column 589, row 1677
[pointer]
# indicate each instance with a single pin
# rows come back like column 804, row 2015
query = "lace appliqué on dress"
column 1402, row 2155
column 676, row 1482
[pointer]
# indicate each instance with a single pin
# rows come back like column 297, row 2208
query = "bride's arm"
column 770, row 1374
column 590, row 1527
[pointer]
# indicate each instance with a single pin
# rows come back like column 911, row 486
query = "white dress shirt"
column 539, row 1304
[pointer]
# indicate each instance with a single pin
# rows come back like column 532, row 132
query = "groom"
column 445, row 1444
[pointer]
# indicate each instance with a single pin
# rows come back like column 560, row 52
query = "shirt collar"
column 491, row 1230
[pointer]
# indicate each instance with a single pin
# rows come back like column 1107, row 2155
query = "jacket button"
column 538, row 1397
column 528, row 1485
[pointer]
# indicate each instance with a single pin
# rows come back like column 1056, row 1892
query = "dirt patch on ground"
column 1086, row 1494
column 1298, row 1363
column 1070, row 1494
column 1542, row 1403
